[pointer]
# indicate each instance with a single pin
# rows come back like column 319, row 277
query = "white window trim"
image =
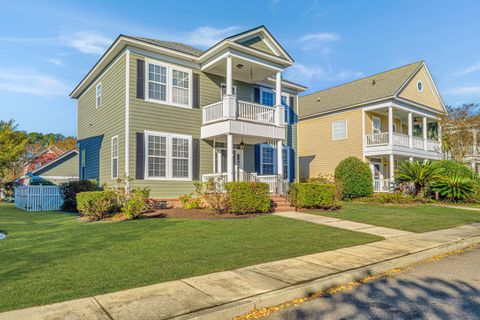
column 287, row 102
column 168, row 169
column 98, row 105
column 421, row 83
column 112, row 157
column 262, row 90
column 379, row 121
column 234, row 89
column 275, row 164
column 346, row 130
column 169, row 85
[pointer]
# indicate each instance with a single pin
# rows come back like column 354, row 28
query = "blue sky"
column 46, row 47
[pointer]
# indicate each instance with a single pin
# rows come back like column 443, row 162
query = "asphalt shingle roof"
column 177, row 46
column 374, row 87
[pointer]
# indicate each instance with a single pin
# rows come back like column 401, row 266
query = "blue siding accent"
column 91, row 148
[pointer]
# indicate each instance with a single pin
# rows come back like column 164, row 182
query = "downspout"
column 127, row 119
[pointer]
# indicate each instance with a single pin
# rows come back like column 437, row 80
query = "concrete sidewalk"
column 224, row 295
column 344, row 224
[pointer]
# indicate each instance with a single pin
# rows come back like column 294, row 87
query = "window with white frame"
column 376, row 125
column 285, row 104
column 168, row 156
column 339, row 129
column 268, row 160
column 98, row 95
column 115, row 157
column 224, row 90
column 169, row 84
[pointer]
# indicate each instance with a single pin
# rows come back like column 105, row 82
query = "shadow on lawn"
column 391, row 298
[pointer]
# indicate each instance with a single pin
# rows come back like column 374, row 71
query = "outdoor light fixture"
column 239, row 66
column 241, row 145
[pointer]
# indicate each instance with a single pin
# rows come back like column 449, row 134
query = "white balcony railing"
column 433, row 146
column 381, row 185
column 377, row 139
column 400, row 139
column 418, row 143
column 256, row 112
column 275, row 183
column 243, row 110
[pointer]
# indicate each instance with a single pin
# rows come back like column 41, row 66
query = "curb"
column 247, row 305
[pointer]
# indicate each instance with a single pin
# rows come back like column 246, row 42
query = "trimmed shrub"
column 314, row 195
column 213, row 195
column 393, row 198
column 69, row 192
column 355, row 178
column 96, row 205
column 188, row 201
column 247, row 197
column 136, row 203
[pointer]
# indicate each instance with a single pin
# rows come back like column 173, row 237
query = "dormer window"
column 419, row 86
column 98, row 95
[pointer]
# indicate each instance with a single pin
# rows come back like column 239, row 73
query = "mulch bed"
column 203, row 214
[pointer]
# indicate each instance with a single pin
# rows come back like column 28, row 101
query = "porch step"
column 280, row 204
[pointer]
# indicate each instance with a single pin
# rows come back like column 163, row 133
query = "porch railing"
column 242, row 110
column 377, row 139
column 275, row 183
column 400, row 139
column 381, row 185
column 433, row 146
column 418, row 143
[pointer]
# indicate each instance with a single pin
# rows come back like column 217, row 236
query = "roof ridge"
column 363, row 78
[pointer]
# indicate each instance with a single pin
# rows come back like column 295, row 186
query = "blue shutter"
column 257, row 158
column 292, row 165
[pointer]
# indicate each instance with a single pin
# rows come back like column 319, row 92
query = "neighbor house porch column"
column 425, row 133
column 229, row 100
column 278, row 99
column 280, row 157
column 229, row 157
column 410, row 130
column 391, row 164
column 229, row 77
column 390, row 125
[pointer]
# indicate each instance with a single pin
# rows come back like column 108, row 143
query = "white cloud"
column 465, row 90
column 206, row 36
column 90, row 42
column 55, row 61
column 318, row 41
column 470, row 69
column 312, row 74
column 22, row 80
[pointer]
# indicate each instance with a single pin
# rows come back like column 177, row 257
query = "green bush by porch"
column 248, row 197
column 354, row 177
column 49, row 257
column 313, row 195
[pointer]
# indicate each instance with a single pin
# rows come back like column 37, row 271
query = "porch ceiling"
column 237, row 139
column 243, row 70
column 400, row 114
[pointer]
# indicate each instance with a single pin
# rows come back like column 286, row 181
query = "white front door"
column 221, row 162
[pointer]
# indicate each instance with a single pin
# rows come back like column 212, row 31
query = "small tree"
column 459, row 127
column 420, row 174
column 355, row 178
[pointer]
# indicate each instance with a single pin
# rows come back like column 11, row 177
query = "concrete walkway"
column 457, row 207
column 227, row 294
column 344, row 224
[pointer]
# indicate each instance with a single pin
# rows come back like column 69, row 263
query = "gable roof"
column 63, row 156
column 177, row 46
column 379, row 86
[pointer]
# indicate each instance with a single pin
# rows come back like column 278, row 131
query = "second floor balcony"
column 402, row 140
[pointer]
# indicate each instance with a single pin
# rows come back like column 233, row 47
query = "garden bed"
column 202, row 214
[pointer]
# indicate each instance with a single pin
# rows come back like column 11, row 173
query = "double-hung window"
column 169, row 84
column 115, row 157
column 168, row 156
column 98, row 95
column 268, row 160
column 267, row 97
column 339, row 129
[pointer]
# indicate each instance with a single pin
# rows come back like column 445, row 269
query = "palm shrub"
column 420, row 174
column 455, row 187
column 354, row 177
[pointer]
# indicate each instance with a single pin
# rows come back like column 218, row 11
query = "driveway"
column 446, row 289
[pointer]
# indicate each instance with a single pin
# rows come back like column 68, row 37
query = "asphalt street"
column 445, row 289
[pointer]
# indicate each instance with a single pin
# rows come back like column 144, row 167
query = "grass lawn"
column 49, row 257
column 418, row 218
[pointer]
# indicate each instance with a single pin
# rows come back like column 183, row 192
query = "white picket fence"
column 38, row 198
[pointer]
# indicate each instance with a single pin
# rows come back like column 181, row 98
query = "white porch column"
column 475, row 142
column 229, row 79
column 278, row 99
column 410, row 130
column 280, row 158
column 424, row 127
column 391, row 163
column 229, row 157
column 390, row 125
column 410, row 159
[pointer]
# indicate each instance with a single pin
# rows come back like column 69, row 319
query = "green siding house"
column 58, row 171
column 164, row 114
